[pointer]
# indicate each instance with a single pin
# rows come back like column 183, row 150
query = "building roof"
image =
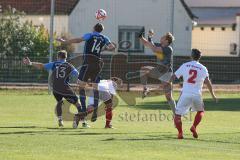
column 216, row 16
column 40, row 7
column 213, row 3
column 188, row 10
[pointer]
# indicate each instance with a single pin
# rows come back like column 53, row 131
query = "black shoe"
column 76, row 120
column 60, row 123
column 145, row 93
column 94, row 115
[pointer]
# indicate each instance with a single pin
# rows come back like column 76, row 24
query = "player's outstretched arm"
column 210, row 88
column 172, row 78
column 37, row 65
column 150, row 45
column 74, row 40
column 110, row 47
column 150, row 35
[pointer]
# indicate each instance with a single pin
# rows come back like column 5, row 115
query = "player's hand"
column 61, row 40
column 27, row 61
column 79, row 82
column 151, row 33
column 141, row 33
column 115, row 46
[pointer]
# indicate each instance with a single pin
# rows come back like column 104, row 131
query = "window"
column 234, row 27
column 128, row 39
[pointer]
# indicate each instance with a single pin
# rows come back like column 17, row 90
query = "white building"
column 126, row 17
column 217, row 32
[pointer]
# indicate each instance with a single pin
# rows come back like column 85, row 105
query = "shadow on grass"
column 173, row 137
column 19, row 127
column 45, row 130
column 224, row 104
column 24, row 132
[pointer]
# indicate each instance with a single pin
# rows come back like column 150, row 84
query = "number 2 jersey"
column 94, row 42
column 194, row 75
column 61, row 71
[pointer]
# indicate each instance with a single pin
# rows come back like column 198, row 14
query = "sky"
column 213, row 3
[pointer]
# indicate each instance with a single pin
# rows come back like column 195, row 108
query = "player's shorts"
column 91, row 69
column 105, row 96
column 69, row 95
column 160, row 72
column 187, row 102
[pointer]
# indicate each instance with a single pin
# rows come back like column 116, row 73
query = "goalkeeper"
column 163, row 71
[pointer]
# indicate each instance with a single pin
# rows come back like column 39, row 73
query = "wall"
column 214, row 43
column 155, row 14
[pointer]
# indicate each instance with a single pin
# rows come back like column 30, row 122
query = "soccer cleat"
column 109, row 127
column 145, row 93
column 94, row 115
column 194, row 132
column 180, row 135
column 76, row 121
column 85, row 125
column 60, row 123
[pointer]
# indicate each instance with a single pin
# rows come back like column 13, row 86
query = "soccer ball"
column 101, row 14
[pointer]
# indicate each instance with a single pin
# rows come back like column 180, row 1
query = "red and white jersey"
column 194, row 74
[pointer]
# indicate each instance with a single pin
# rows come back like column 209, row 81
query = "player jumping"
column 163, row 71
column 61, row 70
column 194, row 75
column 92, row 62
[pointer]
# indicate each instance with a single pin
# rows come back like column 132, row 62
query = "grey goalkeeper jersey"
column 166, row 57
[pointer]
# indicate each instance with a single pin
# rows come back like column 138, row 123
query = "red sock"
column 108, row 116
column 178, row 123
column 198, row 118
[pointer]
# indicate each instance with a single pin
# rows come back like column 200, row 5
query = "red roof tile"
column 40, row 7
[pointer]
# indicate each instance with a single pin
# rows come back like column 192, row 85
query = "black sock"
column 83, row 99
column 59, row 108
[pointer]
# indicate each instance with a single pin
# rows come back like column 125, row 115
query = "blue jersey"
column 94, row 44
column 61, row 70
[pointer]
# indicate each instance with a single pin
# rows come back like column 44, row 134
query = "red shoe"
column 194, row 132
column 180, row 135
column 109, row 127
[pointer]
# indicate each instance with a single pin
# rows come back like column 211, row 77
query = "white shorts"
column 103, row 96
column 187, row 102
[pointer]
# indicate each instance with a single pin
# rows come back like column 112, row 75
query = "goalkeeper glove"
column 141, row 33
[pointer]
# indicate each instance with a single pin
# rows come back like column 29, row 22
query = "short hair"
column 98, row 27
column 196, row 54
column 62, row 54
column 170, row 38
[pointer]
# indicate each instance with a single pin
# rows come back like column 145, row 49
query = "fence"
column 70, row 18
column 223, row 70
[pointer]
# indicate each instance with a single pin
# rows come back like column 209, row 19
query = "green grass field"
column 28, row 130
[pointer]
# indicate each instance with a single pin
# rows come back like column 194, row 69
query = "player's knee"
column 144, row 70
column 108, row 104
column 81, row 84
column 168, row 96
column 60, row 102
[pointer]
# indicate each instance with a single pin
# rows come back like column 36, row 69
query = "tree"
column 19, row 38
